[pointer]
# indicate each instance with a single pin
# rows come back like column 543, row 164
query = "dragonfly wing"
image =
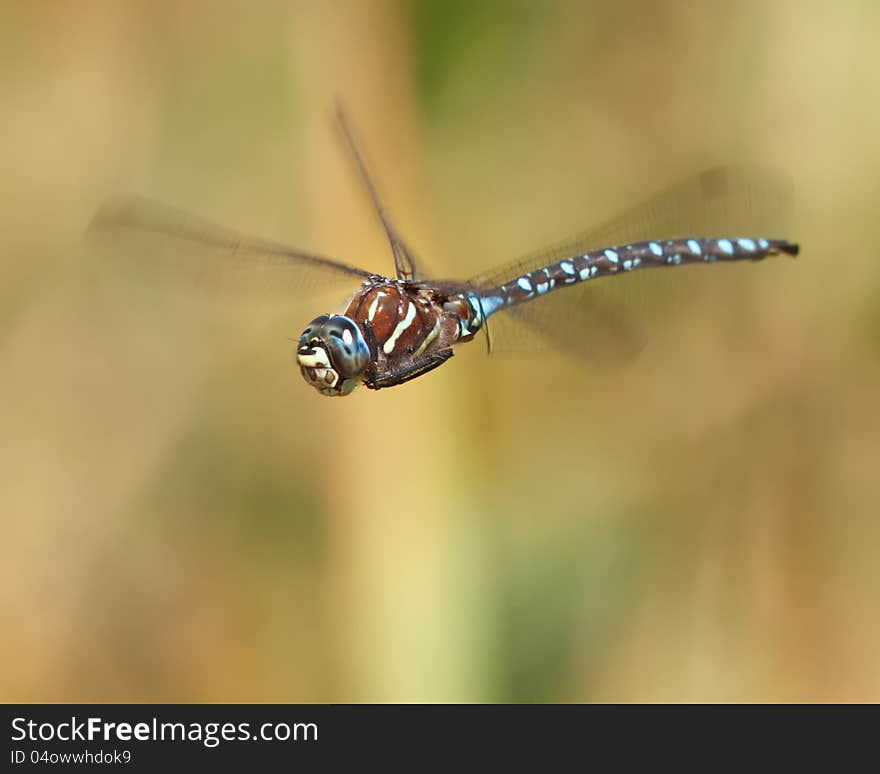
column 602, row 327
column 608, row 320
column 159, row 241
column 598, row 327
column 733, row 201
column 404, row 259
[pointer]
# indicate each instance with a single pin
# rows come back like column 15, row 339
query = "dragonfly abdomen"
column 614, row 260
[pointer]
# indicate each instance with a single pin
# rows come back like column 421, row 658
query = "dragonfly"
column 393, row 329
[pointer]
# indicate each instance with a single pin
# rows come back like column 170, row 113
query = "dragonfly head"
column 332, row 354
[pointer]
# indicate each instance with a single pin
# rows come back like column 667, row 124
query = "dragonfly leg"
column 409, row 371
column 372, row 372
column 370, row 338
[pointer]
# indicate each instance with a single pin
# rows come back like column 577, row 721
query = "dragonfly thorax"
column 332, row 354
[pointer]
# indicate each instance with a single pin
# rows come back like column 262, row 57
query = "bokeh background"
column 183, row 519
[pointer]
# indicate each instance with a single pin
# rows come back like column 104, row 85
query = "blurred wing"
column 604, row 328
column 606, row 318
column 161, row 241
column 598, row 328
column 404, row 260
column 734, row 201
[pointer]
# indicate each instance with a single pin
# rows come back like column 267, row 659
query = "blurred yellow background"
column 183, row 519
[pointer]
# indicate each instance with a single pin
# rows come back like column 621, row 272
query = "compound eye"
column 313, row 330
column 345, row 343
column 332, row 354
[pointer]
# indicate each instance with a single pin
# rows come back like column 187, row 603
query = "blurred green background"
column 183, row 519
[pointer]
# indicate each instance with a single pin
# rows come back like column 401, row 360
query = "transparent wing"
column 745, row 200
column 404, row 260
column 604, row 328
column 557, row 320
column 159, row 241
column 607, row 319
